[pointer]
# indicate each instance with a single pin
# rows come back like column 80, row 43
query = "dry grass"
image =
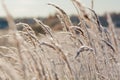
column 83, row 52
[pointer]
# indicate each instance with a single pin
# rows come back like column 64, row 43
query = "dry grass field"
column 84, row 52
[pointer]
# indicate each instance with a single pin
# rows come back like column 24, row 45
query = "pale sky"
column 34, row 8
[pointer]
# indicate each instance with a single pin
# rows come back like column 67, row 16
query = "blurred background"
column 26, row 10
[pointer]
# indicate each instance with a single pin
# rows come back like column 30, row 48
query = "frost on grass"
column 83, row 52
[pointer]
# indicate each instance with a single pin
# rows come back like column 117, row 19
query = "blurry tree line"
column 55, row 24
